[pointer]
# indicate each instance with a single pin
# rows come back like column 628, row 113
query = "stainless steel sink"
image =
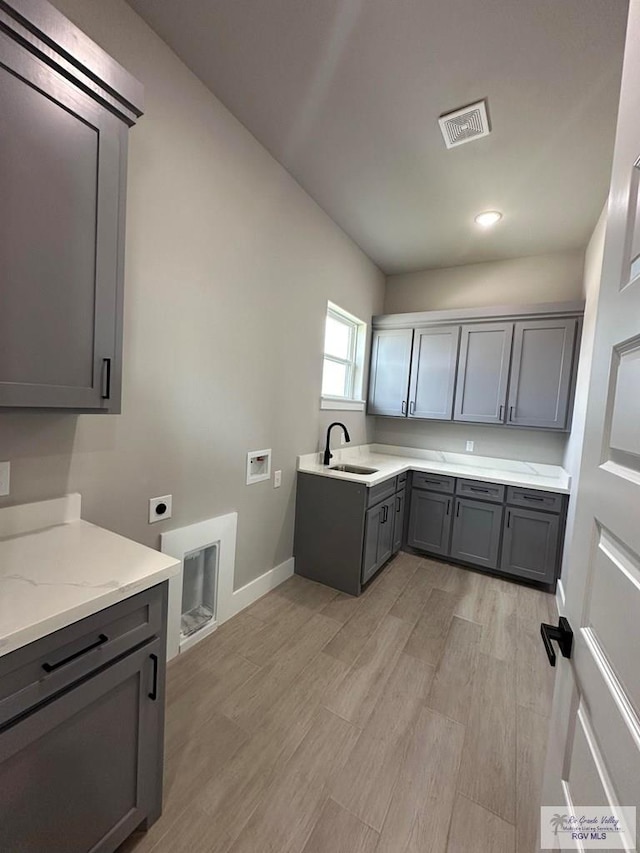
column 353, row 469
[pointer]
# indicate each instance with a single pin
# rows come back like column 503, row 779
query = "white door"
column 594, row 748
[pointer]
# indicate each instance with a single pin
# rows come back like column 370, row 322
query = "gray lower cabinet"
column 389, row 374
column 430, row 521
column 344, row 531
column 433, row 372
column 81, row 769
column 530, row 545
column 541, row 373
column 63, row 174
column 514, row 530
column 378, row 537
column 477, row 527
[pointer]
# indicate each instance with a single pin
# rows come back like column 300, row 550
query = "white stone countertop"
column 56, row 568
column 392, row 460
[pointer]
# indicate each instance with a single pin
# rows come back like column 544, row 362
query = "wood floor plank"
column 535, row 679
column 422, row 801
column 488, row 767
column 192, row 702
column 411, row 602
column 451, row 691
column 351, row 639
column 357, row 694
column 260, row 646
column 306, row 593
column 251, row 700
column 474, row 828
column 531, row 743
column 535, row 606
column 444, row 576
column 231, row 794
column 366, row 782
column 472, row 593
column 338, row 831
column 429, row 635
column 499, row 623
column 293, row 802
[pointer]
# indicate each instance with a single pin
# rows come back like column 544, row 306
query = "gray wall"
column 591, row 291
column 545, row 278
column 229, row 267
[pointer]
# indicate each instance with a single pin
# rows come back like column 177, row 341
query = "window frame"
column 354, row 363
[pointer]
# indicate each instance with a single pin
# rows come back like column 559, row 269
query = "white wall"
column 554, row 277
column 591, row 290
column 545, row 278
column 229, row 267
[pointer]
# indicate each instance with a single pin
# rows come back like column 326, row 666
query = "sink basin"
column 353, row 469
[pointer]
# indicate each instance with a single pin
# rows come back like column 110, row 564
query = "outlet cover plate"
column 156, row 504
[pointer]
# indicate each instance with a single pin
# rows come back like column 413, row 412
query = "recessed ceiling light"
column 488, row 218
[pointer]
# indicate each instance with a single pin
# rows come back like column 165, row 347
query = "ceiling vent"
column 465, row 125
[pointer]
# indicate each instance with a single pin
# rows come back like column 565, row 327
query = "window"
column 344, row 341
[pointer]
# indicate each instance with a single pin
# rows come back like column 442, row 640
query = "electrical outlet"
column 160, row 508
column 469, row 447
column 277, row 479
column 5, row 470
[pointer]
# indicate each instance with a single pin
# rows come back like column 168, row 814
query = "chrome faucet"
column 327, row 451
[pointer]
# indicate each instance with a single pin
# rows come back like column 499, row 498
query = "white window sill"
column 342, row 404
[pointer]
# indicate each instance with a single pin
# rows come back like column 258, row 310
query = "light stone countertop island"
column 55, row 569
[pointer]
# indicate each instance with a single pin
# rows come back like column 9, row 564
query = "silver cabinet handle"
column 404, row 407
column 412, row 407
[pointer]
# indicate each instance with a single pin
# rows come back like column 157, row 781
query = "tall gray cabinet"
column 66, row 108
column 509, row 366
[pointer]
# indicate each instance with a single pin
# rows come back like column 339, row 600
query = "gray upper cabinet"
column 433, row 372
column 67, row 107
column 541, row 373
column 390, row 364
column 483, row 373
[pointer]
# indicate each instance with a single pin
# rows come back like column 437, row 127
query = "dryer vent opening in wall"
column 199, row 589
column 465, row 124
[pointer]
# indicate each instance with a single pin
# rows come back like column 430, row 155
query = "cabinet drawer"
column 481, row 491
column 38, row 671
column 433, row 482
column 548, row 501
column 383, row 490
column 402, row 481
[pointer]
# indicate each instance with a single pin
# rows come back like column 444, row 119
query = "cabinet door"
column 483, row 373
column 476, row 532
column 541, row 372
column 429, row 521
column 378, row 538
column 530, row 545
column 433, row 372
column 390, row 363
column 398, row 520
column 79, row 773
column 60, row 169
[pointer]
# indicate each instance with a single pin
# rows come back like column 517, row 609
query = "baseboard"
column 258, row 587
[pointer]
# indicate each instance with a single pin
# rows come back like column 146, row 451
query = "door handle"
column 398, row 504
column 51, row 667
column 563, row 635
column 500, row 412
column 458, row 510
column 105, row 379
column 154, row 689
column 448, row 506
column 404, row 407
column 412, row 407
column 511, row 413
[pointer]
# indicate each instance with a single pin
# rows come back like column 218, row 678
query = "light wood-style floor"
column 410, row 720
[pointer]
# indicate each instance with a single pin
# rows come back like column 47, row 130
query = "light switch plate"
column 5, row 470
column 277, row 479
column 469, row 447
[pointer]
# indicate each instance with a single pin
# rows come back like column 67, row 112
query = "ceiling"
column 346, row 94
